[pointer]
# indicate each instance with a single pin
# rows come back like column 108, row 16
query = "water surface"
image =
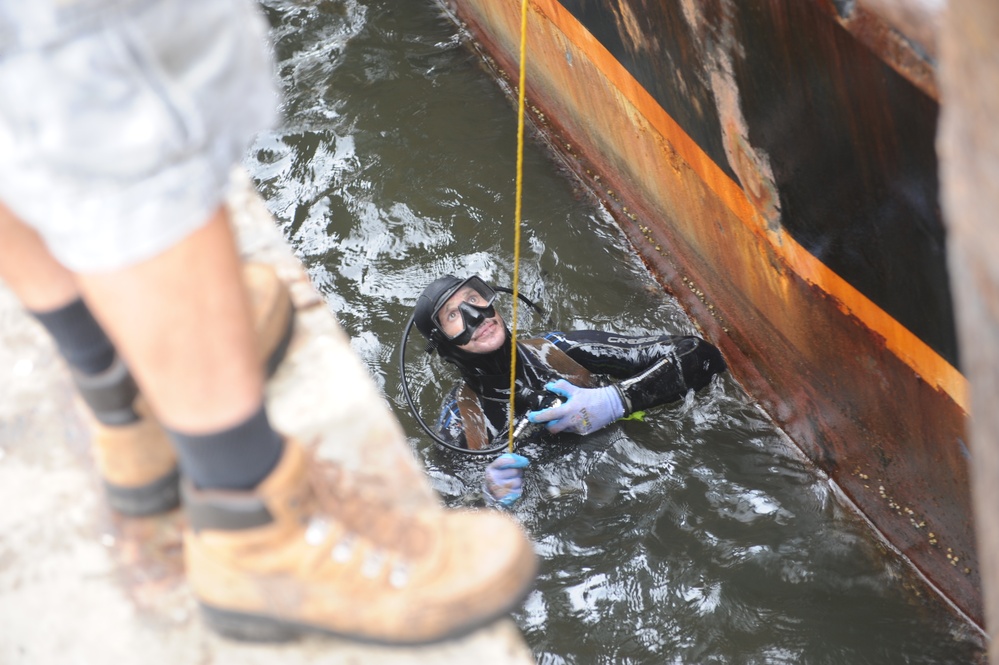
column 698, row 536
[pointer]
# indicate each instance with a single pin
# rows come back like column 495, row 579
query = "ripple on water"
column 698, row 536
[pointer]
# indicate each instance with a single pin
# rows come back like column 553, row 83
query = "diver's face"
column 488, row 336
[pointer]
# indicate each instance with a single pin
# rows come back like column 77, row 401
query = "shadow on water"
column 697, row 536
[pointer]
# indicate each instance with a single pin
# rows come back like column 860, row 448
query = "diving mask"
column 461, row 310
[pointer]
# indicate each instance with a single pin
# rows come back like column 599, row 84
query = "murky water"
column 697, row 536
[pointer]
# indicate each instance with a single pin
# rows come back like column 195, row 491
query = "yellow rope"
column 520, row 191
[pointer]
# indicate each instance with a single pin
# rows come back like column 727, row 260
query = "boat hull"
column 774, row 166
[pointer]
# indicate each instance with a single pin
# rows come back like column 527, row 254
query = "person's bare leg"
column 29, row 270
column 182, row 322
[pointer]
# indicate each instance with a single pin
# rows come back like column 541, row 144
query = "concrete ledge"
column 79, row 584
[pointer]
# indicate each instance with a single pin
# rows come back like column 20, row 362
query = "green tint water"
column 697, row 536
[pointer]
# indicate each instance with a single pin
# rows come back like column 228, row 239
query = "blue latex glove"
column 505, row 478
column 583, row 410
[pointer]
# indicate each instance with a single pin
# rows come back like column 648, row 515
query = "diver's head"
column 458, row 315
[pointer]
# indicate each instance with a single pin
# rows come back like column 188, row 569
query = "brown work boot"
column 273, row 313
column 311, row 550
column 136, row 461
column 134, row 455
column 138, row 465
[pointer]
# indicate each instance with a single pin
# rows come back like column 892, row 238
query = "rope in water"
column 516, row 232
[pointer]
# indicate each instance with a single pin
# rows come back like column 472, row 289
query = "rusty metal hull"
column 773, row 163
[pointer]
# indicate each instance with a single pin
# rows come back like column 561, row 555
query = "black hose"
column 409, row 398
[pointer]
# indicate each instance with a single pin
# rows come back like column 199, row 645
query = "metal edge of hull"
column 866, row 400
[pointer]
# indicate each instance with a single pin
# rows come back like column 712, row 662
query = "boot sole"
column 159, row 496
column 248, row 627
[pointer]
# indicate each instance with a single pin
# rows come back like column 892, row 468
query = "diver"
column 578, row 382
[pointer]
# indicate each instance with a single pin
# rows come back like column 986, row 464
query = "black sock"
column 234, row 459
column 81, row 340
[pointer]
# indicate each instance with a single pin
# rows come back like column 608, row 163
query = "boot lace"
column 359, row 503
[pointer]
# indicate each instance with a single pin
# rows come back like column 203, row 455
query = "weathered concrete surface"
column 968, row 143
column 80, row 585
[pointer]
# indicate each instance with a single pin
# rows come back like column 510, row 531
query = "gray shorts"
column 117, row 140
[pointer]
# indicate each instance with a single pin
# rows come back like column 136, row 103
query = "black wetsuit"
column 651, row 370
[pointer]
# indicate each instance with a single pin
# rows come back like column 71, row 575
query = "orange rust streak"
column 926, row 362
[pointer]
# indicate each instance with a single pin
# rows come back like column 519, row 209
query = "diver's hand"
column 505, row 478
column 583, row 411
